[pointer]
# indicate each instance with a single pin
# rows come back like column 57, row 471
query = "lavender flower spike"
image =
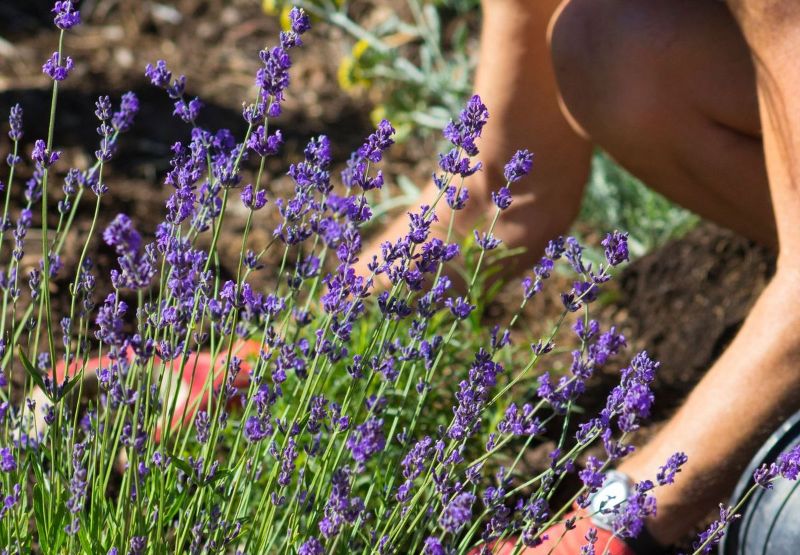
column 298, row 18
column 57, row 67
column 66, row 16
column 15, row 132
column 519, row 166
column 616, row 248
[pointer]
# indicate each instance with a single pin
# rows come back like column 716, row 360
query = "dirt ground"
column 683, row 302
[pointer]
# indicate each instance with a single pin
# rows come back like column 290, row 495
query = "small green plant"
column 615, row 199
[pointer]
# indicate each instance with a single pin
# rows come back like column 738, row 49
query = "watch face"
column 614, row 491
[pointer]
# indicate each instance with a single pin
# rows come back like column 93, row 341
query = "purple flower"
column 138, row 545
column 188, row 111
column 473, row 394
column 378, row 142
column 502, row 198
column 607, row 345
column 519, row 166
column 340, row 508
column 454, row 163
column 58, row 68
column 708, row 539
column 433, row 546
column 456, row 197
column 273, row 78
column 616, row 247
column 15, row 132
column 420, row 224
column 299, row 20
column 666, row 474
column 637, row 402
column 311, row 173
column 788, row 463
column 459, row 307
column 520, row 422
column 299, row 24
column 257, row 428
column 122, row 120
column 630, row 514
column 312, row 546
column 550, row 393
column 592, row 475
column 486, row 241
column 42, row 156
column 416, row 459
column 7, row 461
column 136, row 268
column 10, row 501
column 78, row 484
column 469, row 126
column 110, row 321
column 287, row 461
column 264, row 144
column 457, row 513
column 251, row 201
column 159, row 75
column 66, row 16
column 367, row 440
column 203, row 426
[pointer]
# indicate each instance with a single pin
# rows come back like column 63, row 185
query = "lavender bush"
column 324, row 425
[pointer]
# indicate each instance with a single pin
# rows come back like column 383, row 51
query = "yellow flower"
column 350, row 73
column 359, row 49
column 286, row 23
column 377, row 114
column 271, row 7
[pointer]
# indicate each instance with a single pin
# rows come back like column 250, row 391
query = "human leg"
column 667, row 87
column 756, row 382
column 515, row 80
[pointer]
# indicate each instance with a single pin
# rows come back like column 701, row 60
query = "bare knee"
column 608, row 58
column 773, row 12
column 767, row 23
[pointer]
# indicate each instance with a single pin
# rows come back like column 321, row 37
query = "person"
column 701, row 100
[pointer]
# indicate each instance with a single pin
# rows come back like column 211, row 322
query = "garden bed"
column 683, row 302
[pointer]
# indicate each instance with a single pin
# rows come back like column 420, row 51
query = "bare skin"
column 701, row 101
column 756, row 382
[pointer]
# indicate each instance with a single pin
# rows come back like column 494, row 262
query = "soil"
column 683, row 303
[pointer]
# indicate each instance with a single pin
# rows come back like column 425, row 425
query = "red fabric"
column 569, row 544
column 195, row 373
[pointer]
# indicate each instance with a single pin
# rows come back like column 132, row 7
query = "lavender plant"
column 307, row 417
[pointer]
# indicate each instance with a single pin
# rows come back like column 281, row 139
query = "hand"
column 560, row 543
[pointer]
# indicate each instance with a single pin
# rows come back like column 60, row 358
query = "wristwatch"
column 616, row 488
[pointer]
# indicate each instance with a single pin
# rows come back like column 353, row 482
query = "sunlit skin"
column 700, row 100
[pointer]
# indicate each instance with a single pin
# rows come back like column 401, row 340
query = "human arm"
column 756, row 383
column 515, row 80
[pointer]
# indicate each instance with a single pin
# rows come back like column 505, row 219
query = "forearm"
column 516, row 81
column 753, row 386
column 756, row 382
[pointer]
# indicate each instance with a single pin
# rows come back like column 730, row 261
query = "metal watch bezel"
column 616, row 488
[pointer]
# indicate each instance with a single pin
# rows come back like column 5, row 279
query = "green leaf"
column 39, row 512
column 220, row 474
column 178, row 504
column 69, row 386
column 86, row 542
column 33, row 372
column 183, row 465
